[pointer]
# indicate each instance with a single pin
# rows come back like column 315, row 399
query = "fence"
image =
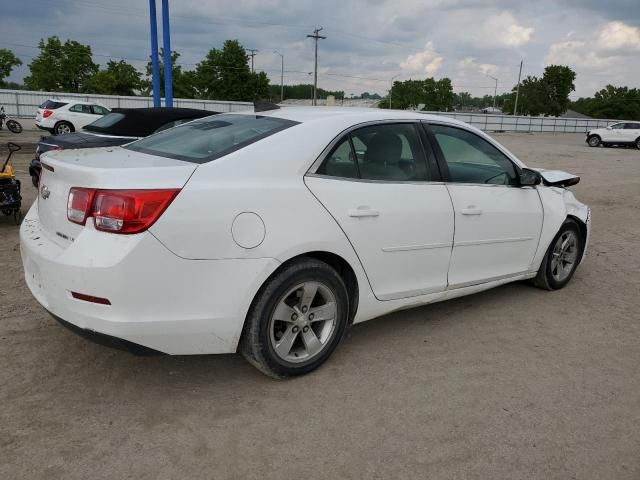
column 23, row 103
column 511, row 123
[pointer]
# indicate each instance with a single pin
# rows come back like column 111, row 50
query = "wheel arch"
column 338, row 263
column 583, row 232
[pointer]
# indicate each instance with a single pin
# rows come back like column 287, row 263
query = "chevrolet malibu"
column 270, row 233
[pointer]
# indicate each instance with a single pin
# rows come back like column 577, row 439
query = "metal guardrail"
column 511, row 123
column 24, row 103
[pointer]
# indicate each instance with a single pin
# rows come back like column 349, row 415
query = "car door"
column 497, row 222
column 80, row 115
column 631, row 132
column 380, row 185
column 614, row 133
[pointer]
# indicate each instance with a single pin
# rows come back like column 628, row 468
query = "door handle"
column 471, row 211
column 361, row 212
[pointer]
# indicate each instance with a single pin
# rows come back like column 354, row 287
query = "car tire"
column 638, row 143
column 594, row 141
column 63, row 127
column 561, row 261
column 283, row 335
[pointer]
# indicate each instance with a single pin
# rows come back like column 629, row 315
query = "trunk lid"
column 104, row 168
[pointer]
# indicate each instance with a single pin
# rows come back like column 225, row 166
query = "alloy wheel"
column 303, row 322
column 63, row 128
column 564, row 256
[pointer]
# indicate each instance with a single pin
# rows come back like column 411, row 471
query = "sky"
column 369, row 42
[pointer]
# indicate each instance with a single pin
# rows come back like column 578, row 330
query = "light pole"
column 281, row 75
column 495, row 92
column 391, row 89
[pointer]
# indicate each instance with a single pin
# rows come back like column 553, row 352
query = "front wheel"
column 594, row 141
column 638, row 143
column 562, row 258
column 14, row 126
column 296, row 320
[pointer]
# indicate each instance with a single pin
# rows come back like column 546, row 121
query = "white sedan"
column 60, row 116
column 269, row 233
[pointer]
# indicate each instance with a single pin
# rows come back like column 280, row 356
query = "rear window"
column 209, row 138
column 108, row 120
column 52, row 104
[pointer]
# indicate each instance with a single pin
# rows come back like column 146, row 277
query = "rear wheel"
column 14, row 126
column 562, row 258
column 638, row 143
column 296, row 320
column 63, row 127
column 594, row 141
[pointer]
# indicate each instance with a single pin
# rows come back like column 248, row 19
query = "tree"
column 429, row 94
column 183, row 82
column 548, row 95
column 225, row 75
column 119, row 78
column 558, row 81
column 8, row 60
column 61, row 66
column 611, row 102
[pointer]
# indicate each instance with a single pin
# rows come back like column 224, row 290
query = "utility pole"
column 281, row 75
column 252, row 54
column 515, row 106
column 315, row 76
column 391, row 89
column 495, row 92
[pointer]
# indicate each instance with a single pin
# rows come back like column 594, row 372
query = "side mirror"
column 608, row 127
column 530, row 178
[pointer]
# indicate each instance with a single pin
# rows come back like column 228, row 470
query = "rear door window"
column 209, row 138
column 386, row 152
column 80, row 108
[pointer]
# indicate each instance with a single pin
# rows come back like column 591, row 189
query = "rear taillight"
column 47, row 113
column 118, row 211
column 79, row 204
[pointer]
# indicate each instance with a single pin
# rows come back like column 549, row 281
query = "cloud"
column 503, row 30
column 576, row 54
column 426, row 61
column 470, row 65
column 619, row 35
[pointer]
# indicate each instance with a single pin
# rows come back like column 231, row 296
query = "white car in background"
column 60, row 116
column 623, row 133
column 269, row 233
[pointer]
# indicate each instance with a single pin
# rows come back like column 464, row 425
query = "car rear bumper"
column 157, row 300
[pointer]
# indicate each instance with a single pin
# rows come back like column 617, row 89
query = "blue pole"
column 166, row 46
column 155, row 70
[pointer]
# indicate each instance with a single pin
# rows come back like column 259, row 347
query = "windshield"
column 204, row 140
column 107, row 121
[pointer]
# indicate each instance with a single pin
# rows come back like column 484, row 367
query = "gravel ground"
column 512, row 383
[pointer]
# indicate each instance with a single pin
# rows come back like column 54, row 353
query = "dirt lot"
column 513, row 383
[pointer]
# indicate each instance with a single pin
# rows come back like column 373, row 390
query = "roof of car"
column 307, row 114
column 140, row 122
